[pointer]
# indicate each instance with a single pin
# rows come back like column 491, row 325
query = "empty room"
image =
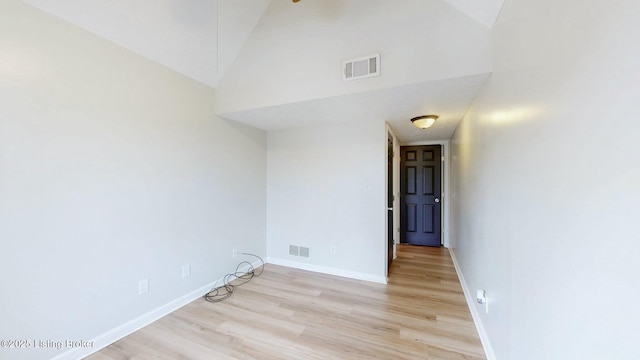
column 319, row 179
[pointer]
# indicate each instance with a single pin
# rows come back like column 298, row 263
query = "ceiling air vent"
column 362, row 67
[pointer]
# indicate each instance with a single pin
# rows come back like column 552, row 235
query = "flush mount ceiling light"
column 424, row 121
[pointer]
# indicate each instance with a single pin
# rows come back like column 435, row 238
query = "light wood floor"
column 295, row 314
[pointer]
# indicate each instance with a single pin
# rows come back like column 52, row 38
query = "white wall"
column 547, row 182
column 296, row 51
column 326, row 186
column 112, row 169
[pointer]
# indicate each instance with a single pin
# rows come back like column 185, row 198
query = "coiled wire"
column 238, row 277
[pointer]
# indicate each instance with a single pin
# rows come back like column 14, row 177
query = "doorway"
column 390, row 198
column 420, row 195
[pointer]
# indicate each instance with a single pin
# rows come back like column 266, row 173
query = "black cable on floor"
column 224, row 291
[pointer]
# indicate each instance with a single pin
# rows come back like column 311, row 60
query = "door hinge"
column 442, row 158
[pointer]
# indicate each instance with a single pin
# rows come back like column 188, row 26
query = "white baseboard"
column 111, row 336
column 328, row 270
column 471, row 303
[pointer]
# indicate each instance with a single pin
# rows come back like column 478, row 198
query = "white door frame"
column 445, row 177
column 396, row 193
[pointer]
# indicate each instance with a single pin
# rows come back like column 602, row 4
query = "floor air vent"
column 295, row 250
column 362, row 67
column 304, row 251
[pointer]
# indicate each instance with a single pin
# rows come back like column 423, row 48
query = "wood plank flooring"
column 294, row 314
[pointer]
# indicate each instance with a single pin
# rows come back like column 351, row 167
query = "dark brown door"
column 389, row 200
column 420, row 209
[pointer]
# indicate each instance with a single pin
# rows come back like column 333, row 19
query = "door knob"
column 437, row 200
column 390, row 209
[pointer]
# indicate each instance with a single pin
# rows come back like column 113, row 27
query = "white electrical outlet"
column 235, row 253
column 143, row 286
column 481, row 298
column 333, row 249
column 186, row 270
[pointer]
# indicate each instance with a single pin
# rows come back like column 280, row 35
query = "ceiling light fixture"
column 424, row 121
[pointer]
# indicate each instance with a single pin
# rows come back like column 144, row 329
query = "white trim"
column 471, row 303
column 103, row 340
column 446, row 194
column 396, row 186
column 396, row 202
column 328, row 270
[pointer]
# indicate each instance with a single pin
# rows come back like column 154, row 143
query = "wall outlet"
column 481, row 298
column 143, row 286
column 333, row 249
column 235, row 253
column 186, row 270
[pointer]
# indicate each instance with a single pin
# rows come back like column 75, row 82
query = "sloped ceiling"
column 202, row 39
column 289, row 72
column 483, row 11
column 197, row 38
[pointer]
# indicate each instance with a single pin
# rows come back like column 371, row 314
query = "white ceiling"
column 483, row 11
column 202, row 38
column 449, row 99
column 197, row 38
